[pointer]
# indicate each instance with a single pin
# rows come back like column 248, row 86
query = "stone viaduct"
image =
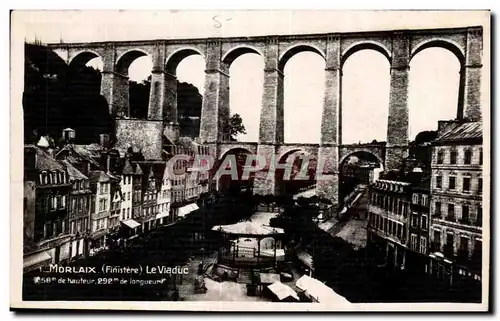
column 398, row 46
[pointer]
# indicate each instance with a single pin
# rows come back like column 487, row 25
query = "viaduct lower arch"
column 398, row 46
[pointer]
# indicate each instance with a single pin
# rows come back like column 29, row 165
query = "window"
column 425, row 200
column 479, row 218
column 449, row 239
column 451, row 212
column 438, row 209
column 439, row 181
column 63, row 201
column 437, row 237
column 465, row 214
column 481, row 156
column 414, row 220
column 424, row 222
column 466, row 184
column 415, row 198
column 464, row 245
column 440, row 156
column 452, row 183
column 414, row 242
column 453, row 156
column 467, row 156
column 480, row 185
column 423, row 244
column 128, row 196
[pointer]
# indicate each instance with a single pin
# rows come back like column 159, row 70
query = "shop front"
column 98, row 241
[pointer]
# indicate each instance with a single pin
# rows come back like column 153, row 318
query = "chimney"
column 68, row 134
column 104, row 161
column 104, row 140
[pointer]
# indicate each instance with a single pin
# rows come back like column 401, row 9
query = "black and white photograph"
column 250, row 160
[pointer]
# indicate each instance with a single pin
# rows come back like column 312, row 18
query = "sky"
column 434, row 72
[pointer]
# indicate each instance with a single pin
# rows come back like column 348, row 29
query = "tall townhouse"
column 388, row 213
column 130, row 227
column 184, row 187
column 153, row 173
column 126, row 187
column 79, row 211
column 456, row 201
column 419, row 223
column 100, row 209
column 46, row 193
column 164, row 199
column 115, row 202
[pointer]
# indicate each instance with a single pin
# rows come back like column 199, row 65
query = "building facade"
column 419, row 223
column 100, row 210
column 46, row 226
column 456, row 201
column 388, row 214
column 79, row 211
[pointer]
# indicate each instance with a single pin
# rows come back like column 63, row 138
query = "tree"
column 236, row 126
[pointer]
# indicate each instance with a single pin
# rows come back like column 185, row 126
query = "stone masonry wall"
column 144, row 135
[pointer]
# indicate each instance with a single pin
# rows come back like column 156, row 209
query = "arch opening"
column 245, row 96
column 435, row 80
column 291, row 52
column 139, row 82
column 303, row 93
column 301, row 175
column 365, row 46
column 235, row 53
column 440, row 43
column 85, row 58
column 123, row 63
column 234, row 160
column 187, row 91
column 364, row 117
column 357, row 169
column 175, row 59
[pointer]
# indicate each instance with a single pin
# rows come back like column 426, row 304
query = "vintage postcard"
column 250, row 160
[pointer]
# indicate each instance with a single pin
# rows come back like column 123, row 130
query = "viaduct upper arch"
column 398, row 46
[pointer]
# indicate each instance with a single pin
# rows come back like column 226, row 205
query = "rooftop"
column 460, row 132
column 73, row 173
column 44, row 161
column 98, row 176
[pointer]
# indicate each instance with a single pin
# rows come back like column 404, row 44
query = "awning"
column 283, row 291
column 186, row 209
column 248, row 228
column 161, row 215
column 319, row 291
column 131, row 223
column 36, row 260
column 305, row 194
column 268, row 278
column 305, row 258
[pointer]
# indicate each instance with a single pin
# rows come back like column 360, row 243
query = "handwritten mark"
column 218, row 24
